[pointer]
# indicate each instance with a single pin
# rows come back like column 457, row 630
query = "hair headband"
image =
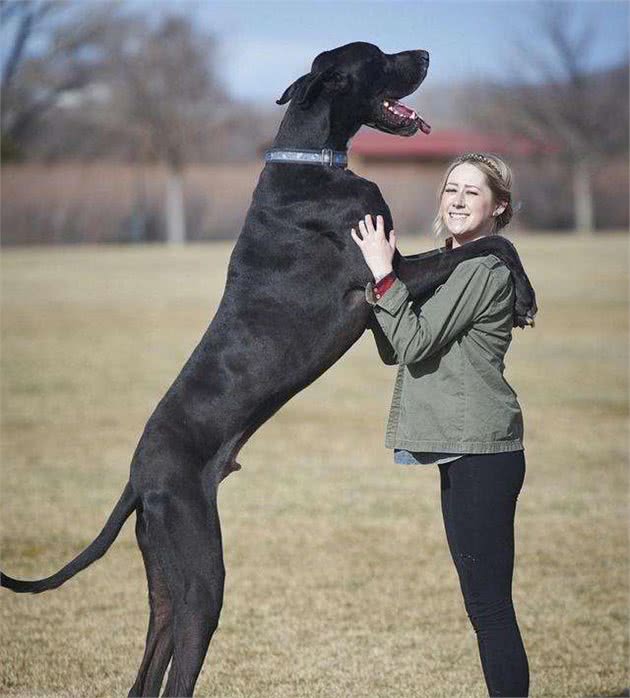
column 478, row 157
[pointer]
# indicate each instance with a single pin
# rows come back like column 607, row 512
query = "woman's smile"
column 457, row 222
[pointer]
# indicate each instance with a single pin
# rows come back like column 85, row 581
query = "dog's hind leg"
column 185, row 529
column 159, row 645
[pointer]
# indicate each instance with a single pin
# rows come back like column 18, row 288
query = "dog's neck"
column 313, row 129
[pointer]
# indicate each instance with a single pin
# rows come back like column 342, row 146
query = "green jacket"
column 450, row 394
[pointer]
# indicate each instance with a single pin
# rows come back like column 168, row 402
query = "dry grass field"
column 339, row 581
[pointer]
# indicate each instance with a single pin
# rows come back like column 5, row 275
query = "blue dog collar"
column 326, row 157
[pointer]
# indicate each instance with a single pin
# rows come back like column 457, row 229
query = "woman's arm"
column 422, row 273
column 385, row 349
column 454, row 307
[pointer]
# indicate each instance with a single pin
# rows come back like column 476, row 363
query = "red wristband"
column 384, row 285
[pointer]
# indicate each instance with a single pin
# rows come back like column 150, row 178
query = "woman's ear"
column 500, row 208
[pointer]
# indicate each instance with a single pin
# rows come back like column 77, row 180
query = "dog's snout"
column 424, row 55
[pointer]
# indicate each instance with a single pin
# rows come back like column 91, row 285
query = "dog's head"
column 363, row 85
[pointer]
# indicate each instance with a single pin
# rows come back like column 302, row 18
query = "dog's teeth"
column 386, row 104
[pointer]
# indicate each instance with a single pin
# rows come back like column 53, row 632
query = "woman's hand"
column 377, row 251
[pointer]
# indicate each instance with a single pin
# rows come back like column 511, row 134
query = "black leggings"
column 479, row 495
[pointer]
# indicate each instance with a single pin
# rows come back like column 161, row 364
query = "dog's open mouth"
column 394, row 117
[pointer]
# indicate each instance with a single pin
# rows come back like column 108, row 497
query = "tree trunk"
column 583, row 198
column 175, row 219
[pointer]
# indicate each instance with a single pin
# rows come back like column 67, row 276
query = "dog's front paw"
column 525, row 306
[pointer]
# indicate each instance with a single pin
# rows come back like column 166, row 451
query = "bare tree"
column 562, row 101
column 50, row 51
column 101, row 79
column 165, row 92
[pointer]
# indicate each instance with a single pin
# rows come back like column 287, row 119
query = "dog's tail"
column 96, row 549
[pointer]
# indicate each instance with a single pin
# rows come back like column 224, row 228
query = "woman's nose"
column 459, row 199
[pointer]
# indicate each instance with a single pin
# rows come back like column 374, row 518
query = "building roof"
column 369, row 143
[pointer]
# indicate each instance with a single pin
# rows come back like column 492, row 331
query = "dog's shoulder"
column 364, row 190
column 361, row 183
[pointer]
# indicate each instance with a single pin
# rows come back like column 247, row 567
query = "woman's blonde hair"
column 499, row 178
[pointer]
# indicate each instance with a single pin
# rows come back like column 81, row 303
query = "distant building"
column 408, row 170
column 440, row 146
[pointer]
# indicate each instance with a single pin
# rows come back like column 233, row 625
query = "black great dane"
column 294, row 303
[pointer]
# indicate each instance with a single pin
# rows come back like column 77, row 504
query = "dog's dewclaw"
column 230, row 467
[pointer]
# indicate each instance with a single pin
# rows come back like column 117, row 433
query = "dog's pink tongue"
column 411, row 114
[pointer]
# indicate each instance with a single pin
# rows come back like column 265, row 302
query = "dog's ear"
column 308, row 87
column 330, row 79
column 313, row 87
column 292, row 89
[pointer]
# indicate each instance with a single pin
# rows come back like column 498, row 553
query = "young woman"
column 452, row 405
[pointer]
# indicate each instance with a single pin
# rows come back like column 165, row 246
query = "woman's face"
column 467, row 204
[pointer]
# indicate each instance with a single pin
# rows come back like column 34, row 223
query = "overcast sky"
column 265, row 45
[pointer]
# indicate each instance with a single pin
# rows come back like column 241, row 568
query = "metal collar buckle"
column 327, row 157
